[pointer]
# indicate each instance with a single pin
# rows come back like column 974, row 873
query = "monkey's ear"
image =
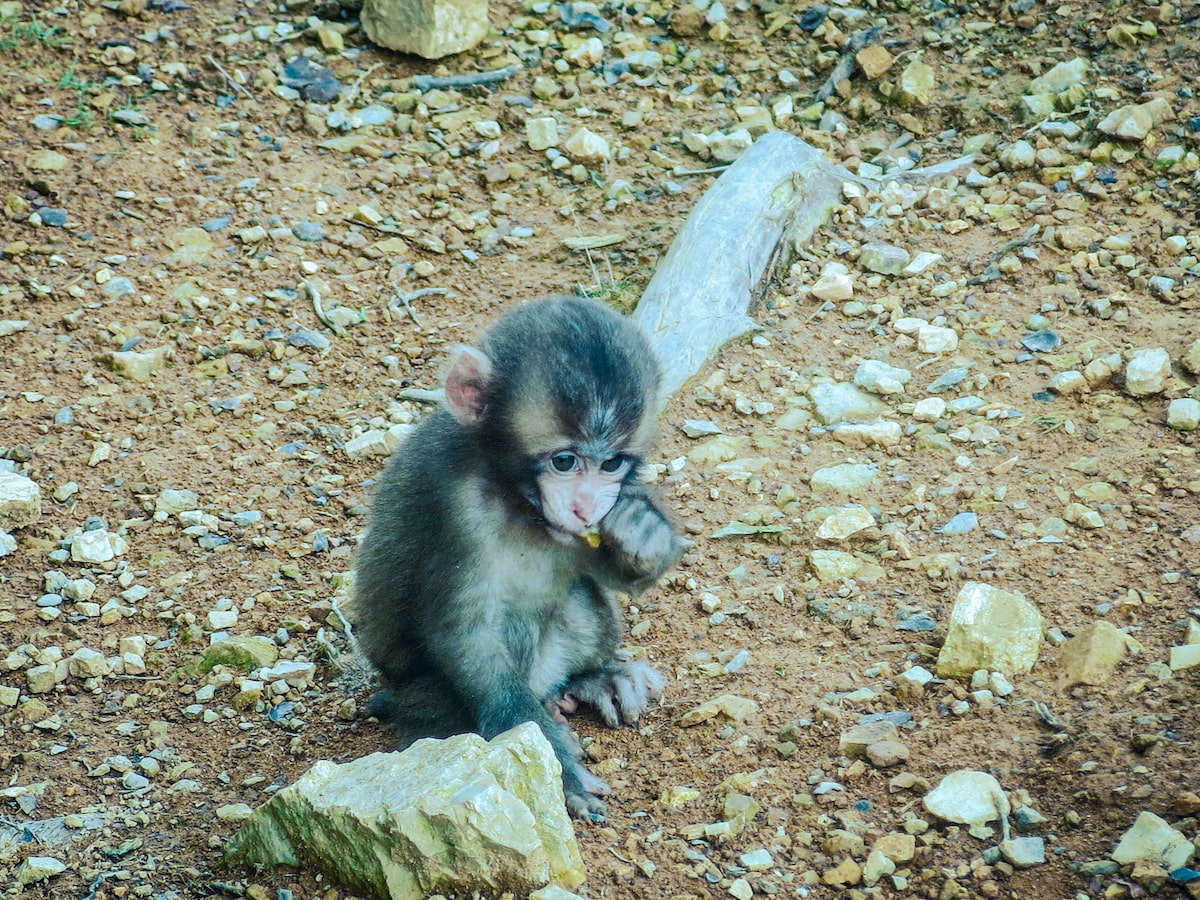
column 466, row 385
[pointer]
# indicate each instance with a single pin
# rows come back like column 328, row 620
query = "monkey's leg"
column 489, row 665
column 422, row 706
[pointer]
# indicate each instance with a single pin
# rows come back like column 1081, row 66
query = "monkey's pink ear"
column 466, row 385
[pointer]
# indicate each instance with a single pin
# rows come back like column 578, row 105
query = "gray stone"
column 916, row 84
column 41, row 679
column 1018, row 155
column 844, row 522
column 855, row 740
column 172, row 501
column 880, row 433
column 585, row 146
column 876, row 867
column 96, row 546
column 541, row 132
column 369, row 443
column 878, row 377
column 118, row 287
column 886, row 259
column 429, row 28
column 846, row 478
column 841, row 402
column 192, row 247
column 835, row 283
column 309, row 232
column 936, row 339
column 240, row 651
column 20, row 501
column 1185, row 656
column 962, row 523
column 1191, row 357
column 1133, row 122
column 139, row 366
column 453, row 816
column 1023, row 852
column 695, row 428
column 86, row 663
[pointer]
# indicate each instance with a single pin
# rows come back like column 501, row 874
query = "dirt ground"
column 170, row 118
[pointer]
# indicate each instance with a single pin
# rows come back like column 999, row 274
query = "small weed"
column 82, row 116
column 1048, row 424
column 13, row 34
column 623, row 294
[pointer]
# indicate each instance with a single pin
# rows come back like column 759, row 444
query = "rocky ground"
column 221, row 272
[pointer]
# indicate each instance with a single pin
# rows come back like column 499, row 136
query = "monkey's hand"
column 620, row 692
column 639, row 538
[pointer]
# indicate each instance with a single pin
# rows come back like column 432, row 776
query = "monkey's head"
column 561, row 398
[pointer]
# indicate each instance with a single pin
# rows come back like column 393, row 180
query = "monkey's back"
column 414, row 547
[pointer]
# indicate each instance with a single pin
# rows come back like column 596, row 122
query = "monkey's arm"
column 638, row 543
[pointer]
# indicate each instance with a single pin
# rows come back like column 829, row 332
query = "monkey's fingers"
column 561, row 706
column 635, row 686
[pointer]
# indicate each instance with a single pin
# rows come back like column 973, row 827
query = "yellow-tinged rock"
column 873, row 61
column 990, row 629
column 1091, row 656
column 455, row 816
column 719, row 449
column 843, row 875
column 730, row 706
column 1185, row 656
column 46, row 161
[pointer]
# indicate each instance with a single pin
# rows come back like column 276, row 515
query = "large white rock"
column 990, row 629
column 972, row 798
column 585, row 146
column 429, row 28
column 1152, row 838
column 96, row 546
column 450, row 816
column 1183, row 414
column 844, row 522
column 1147, row 371
column 20, row 501
column 1058, row 79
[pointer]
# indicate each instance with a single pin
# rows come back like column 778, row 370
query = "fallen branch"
column 470, row 79
column 405, row 300
column 229, row 78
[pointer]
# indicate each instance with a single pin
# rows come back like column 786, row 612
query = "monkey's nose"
column 584, row 510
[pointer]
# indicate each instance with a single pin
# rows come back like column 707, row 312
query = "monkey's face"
column 578, row 489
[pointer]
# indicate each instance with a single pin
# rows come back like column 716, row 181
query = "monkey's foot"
column 620, row 692
column 583, row 792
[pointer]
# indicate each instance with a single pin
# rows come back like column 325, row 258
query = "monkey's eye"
column 563, row 462
column 613, row 465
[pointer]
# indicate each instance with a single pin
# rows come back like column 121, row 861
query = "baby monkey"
column 501, row 527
